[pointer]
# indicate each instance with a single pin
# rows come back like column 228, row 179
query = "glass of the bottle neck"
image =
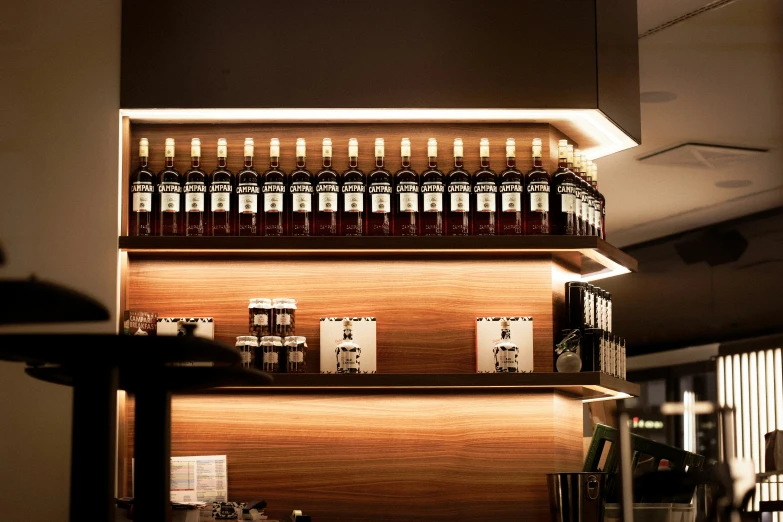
column 195, row 161
column 143, row 161
column 458, row 162
column 353, row 162
column 537, row 161
column 379, row 162
column 248, row 162
column 170, row 162
column 301, row 162
column 562, row 162
column 327, row 163
column 274, row 162
column 221, row 162
column 511, row 162
column 432, row 162
column 485, row 162
column 406, row 162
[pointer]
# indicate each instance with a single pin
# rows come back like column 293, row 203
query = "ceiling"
column 725, row 67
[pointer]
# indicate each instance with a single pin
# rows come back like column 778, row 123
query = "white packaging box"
column 205, row 327
column 363, row 335
column 488, row 334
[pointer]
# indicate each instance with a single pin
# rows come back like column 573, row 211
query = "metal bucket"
column 576, row 497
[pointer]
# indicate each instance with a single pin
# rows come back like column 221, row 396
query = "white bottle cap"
column 537, row 147
column 511, row 148
column 458, row 148
column 405, row 147
column 379, row 148
column 301, row 148
column 594, row 172
column 169, row 147
column 484, row 148
column 249, row 146
column 432, row 148
column 144, row 148
column 195, row 147
column 570, row 153
column 353, row 148
column 222, row 148
column 578, row 159
column 327, row 148
column 274, row 148
column 562, row 149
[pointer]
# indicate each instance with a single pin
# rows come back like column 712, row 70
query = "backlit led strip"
column 753, row 384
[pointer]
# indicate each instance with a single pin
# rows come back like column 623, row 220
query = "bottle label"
column 248, row 198
column 327, row 196
column 222, row 151
column 169, row 151
column 246, row 356
column 142, row 196
column 460, row 196
column 539, row 196
column 194, row 196
column 567, row 193
column 273, row 196
column 283, row 319
column 144, row 149
column 296, row 356
column 537, row 151
column 485, row 196
column 220, row 197
column 270, row 358
column 347, row 360
column 353, row 201
column 380, row 197
column 585, row 208
column 169, row 196
column 433, row 196
column 409, row 199
column 303, row 196
column 326, row 151
column 511, row 196
column 261, row 319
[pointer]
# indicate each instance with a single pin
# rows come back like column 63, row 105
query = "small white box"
column 205, row 327
column 363, row 334
column 488, row 334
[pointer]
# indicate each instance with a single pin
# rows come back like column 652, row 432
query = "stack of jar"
column 273, row 346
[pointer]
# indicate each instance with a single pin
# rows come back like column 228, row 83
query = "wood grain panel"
column 426, row 309
column 395, row 457
column 366, row 133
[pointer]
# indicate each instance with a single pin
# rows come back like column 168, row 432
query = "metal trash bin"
column 576, row 497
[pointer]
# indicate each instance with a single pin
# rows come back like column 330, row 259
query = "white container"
column 488, row 334
column 363, row 331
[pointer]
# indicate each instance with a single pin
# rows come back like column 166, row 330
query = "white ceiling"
column 726, row 68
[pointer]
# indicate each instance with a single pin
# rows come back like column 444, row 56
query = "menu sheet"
column 199, row 479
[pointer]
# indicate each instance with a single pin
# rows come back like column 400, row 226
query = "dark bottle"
column 379, row 193
column 485, row 195
column 577, row 190
column 195, row 191
column 431, row 200
column 300, row 218
column 327, row 190
column 593, row 201
column 273, row 189
column 458, row 188
column 406, row 195
column 511, row 218
column 248, row 188
column 169, row 195
column 142, row 192
column 353, row 187
column 600, row 205
column 221, row 194
column 537, row 187
column 580, row 165
column 562, row 198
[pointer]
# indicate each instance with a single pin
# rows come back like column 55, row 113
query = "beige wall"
column 59, row 101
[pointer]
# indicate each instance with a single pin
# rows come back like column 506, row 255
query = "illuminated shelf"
column 586, row 385
column 592, row 257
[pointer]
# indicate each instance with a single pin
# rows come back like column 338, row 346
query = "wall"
column 60, row 62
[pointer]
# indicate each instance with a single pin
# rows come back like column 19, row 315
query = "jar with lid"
column 295, row 353
column 260, row 315
column 284, row 314
column 247, row 344
column 268, row 359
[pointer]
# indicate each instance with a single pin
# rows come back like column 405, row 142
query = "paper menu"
column 199, row 479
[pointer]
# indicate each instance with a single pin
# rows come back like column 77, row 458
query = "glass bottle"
column 260, row 316
column 511, row 218
column 169, row 194
column 221, row 194
column 283, row 316
column 142, row 192
column 600, row 205
column 577, row 190
column 348, row 352
column 575, row 157
column 300, row 218
column 458, row 188
column 588, row 201
column 247, row 345
column 406, row 195
column 327, row 189
column 537, row 187
column 353, row 189
column 485, row 191
column 562, row 198
column 195, row 191
column 248, row 188
column 431, row 200
column 270, row 348
column 295, row 351
column 379, row 192
column 506, row 352
column 273, row 187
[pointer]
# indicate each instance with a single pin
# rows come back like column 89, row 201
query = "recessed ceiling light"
column 733, row 183
column 657, row 97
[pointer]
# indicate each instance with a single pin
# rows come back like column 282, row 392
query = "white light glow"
column 606, row 138
column 770, row 389
column 755, row 437
column 721, row 383
column 746, row 452
column 762, row 393
column 779, row 388
column 689, row 421
column 737, row 406
column 613, row 397
column 729, row 383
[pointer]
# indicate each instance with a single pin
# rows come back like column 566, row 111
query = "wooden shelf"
column 590, row 256
column 585, row 385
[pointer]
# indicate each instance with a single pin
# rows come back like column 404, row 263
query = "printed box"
column 139, row 322
column 488, row 334
column 363, row 334
column 205, row 327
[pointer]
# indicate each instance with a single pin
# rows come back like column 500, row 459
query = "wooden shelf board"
column 590, row 256
column 584, row 385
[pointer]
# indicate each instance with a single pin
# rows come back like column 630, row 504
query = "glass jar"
column 268, row 359
column 261, row 315
column 284, row 314
column 295, row 354
column 247, row 344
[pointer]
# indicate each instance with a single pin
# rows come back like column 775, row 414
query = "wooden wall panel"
column 366, row 133
column 426, row 308
column 455, row 457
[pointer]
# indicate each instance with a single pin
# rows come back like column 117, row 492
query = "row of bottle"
column 588, row 306
column 327, row 203
column 274, row 354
